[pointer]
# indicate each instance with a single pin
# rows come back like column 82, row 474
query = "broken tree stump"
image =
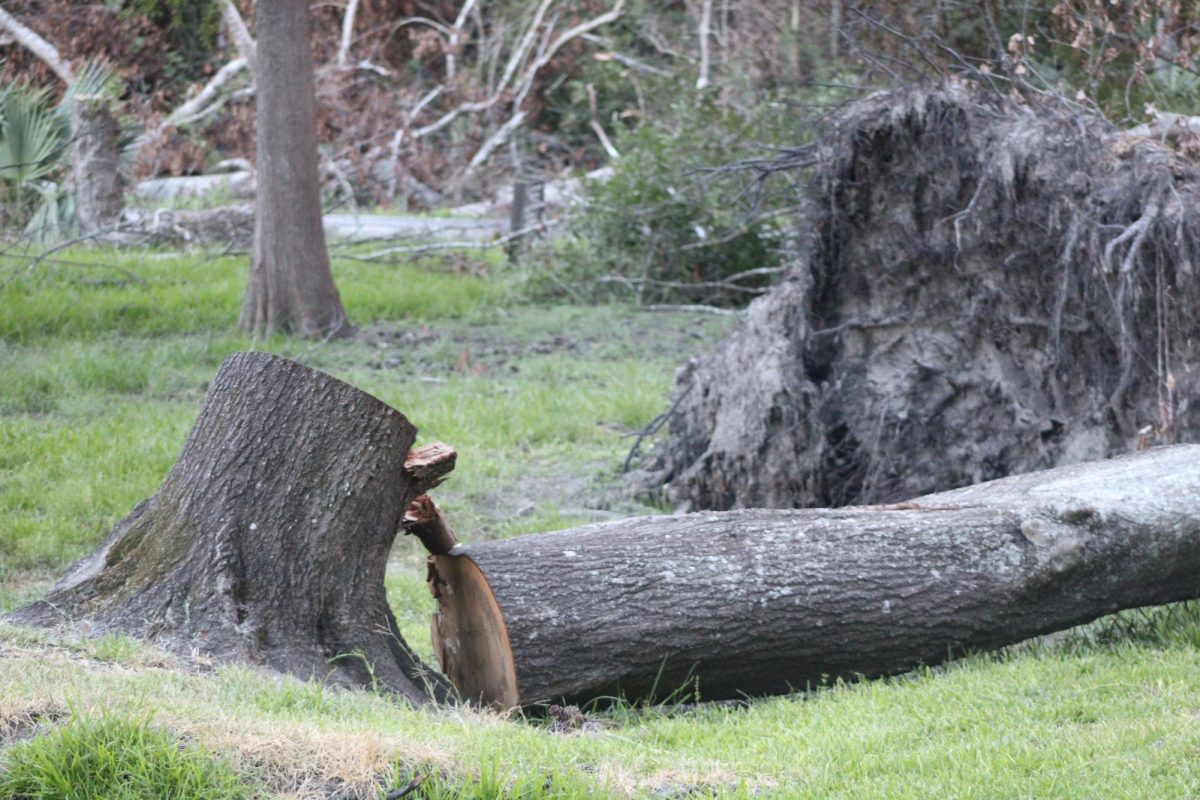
column 99, row 188
column 757, row 602
column 268, row 540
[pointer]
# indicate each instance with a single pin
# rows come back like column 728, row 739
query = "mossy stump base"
column 268, row 540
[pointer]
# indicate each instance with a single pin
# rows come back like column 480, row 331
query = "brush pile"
column 986, row 288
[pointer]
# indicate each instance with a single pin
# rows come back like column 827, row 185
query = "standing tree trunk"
column 267, row 541
column 762, row 601
column 291, row 286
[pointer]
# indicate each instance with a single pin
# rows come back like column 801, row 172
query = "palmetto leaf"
column 54, row 218
column 30, row 136
column 93, row 78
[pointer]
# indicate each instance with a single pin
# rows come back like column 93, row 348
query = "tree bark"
column 762, row 601
column 99, row 194
column 268, row 540
column 291, row 285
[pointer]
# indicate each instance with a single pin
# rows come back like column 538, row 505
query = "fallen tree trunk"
column 764, row 601
column 268, row 540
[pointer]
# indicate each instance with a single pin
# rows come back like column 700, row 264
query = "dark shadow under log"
column 768, row 601
column 268, row 540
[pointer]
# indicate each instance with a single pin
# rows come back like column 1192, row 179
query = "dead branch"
column 726, row 285
column 495, row 140
column 347, row 32
column 605, row 142
column 190, row 109
column 454, row 245
column 521, row 89
column 240, row 34
column 1167, row 125
column 454, row 42
column 703, row 34
column 402, row 133
column 622, row 58
column 31, row 41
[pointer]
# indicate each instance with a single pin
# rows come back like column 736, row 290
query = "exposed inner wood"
column 424, row 520
column 469, row 634
column 428, row 465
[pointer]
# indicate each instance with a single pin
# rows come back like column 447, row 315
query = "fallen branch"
column 703, row 34
column 347, row 33
column 699, row 309
column 455, row 245
column 196, row 106
column 494, row 141
column 240, row 34
column 454, row 43
column 1167, row 125
column 42, row 49
column 521, row 89
column 605, row 142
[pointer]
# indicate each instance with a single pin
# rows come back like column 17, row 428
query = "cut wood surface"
column 268, row 539
column 755, row 602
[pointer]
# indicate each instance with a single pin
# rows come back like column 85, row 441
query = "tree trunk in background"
column 267, row 541
column 291, row 286
column 762, row 602
column 99, row 194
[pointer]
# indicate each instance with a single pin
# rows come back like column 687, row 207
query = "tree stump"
column 99, row 190
column 753, row 602
column 268, row 540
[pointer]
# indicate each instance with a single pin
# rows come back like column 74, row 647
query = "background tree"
column 291, row 286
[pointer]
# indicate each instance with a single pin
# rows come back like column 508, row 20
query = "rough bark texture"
column 99, row 193
column 984, row 289
column 767, row 601
column 267, row 541
column 291, row 286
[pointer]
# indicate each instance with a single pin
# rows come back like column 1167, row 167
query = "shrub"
column 667, row 227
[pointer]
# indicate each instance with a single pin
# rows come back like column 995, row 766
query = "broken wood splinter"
column 423, row 520
column 428, row 465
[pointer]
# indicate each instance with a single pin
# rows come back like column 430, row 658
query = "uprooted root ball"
column 988, row 288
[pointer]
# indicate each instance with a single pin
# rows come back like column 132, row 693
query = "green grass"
column 104, row 361
column 117, row 759
column 1079, row 721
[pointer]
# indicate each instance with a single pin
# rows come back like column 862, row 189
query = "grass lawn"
column 104, row 361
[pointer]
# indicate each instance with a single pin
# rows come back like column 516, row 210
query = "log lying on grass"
column 762, row 601
column 268, row 540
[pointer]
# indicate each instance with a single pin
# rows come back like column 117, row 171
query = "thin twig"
column 654, row 426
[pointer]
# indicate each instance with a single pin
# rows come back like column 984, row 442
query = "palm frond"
column 30, row 138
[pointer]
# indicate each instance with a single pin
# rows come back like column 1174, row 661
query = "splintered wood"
column 423, row 520
column 428, row 465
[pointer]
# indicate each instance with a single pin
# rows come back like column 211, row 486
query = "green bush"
column 113, row 759
column 665, row 226
column 192, row 28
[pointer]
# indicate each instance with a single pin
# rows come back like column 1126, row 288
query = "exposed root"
column 988, row 288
